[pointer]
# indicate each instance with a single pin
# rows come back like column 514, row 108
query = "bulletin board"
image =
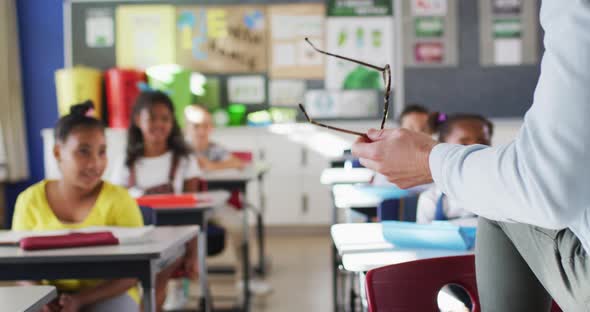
column 245, row 77
column 430, row 36
column 497, row 91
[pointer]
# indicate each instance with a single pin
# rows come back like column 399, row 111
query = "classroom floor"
column 300, row 276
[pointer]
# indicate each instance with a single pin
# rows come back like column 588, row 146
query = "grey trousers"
column 522, row 267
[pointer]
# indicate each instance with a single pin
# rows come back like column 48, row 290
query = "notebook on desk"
column 437, row 235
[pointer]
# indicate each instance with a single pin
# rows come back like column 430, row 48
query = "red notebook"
column 68, row 241
column 169, row 200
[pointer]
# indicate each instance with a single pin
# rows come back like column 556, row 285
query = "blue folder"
column 384, row 192
column 437, row 235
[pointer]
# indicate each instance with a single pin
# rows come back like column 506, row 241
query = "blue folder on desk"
column 437, row 235
column 384, row 192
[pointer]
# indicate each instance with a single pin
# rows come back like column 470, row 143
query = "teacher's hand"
column 400, row 155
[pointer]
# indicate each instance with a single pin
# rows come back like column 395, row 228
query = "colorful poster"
column 429, row 7
column 429, row 52
column 100, row 31
column 145, row 35
column 222, row 39
column 429, row 27
column 369, row 39
column 359, row 8
column 507, row 6
column 507, row 28
column 246, row 89
column 291, row 57
column 287, row 92
column 342, row 104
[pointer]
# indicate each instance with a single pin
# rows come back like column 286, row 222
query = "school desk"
column 363, row 248
column 236, row 179
column 197, row 214
column 141, row 261
column 26, row 298
column 334, row 177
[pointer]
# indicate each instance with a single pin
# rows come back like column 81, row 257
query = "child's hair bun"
column 82, row 109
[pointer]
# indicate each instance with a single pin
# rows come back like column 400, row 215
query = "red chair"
column 414, row 286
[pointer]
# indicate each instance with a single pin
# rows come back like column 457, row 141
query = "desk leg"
column 246, row 261
column 400, row 212
column 334, row 258
column 148, row 284
column 205, row 300
column 260, row 229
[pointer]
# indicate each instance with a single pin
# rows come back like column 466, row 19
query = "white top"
column 26, row 298
column 155, row 171
column 542, row 177
column 346, row 176
column 427, row 206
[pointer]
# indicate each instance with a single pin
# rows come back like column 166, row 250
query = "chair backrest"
column 414, row 286
column 149, row 215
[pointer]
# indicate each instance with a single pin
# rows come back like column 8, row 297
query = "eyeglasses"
column 386, row 74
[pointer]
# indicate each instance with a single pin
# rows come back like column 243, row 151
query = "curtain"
column 13, row 147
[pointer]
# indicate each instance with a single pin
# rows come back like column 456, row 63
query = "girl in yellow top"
column 81, row 199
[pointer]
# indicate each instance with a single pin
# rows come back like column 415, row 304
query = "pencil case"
column 68, row 241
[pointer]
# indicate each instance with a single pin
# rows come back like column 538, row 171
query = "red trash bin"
column 121, row 92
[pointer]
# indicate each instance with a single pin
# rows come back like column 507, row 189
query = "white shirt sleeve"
column 542, row 177
column 427, row 205
column 191, row 168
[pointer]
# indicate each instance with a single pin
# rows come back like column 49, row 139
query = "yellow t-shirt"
column 113, row 207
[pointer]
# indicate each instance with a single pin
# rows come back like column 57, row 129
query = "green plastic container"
column 175, row 81
column 236, row 113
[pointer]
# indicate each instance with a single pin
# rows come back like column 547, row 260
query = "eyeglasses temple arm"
column 345, row 58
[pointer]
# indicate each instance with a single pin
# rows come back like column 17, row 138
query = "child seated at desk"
column 211, row 156
column 459, row 129
column 159, row 162
column 81, row 199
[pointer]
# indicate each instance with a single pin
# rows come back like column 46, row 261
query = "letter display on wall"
column 222, row 39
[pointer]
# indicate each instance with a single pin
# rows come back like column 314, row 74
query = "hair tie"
column 442, row 117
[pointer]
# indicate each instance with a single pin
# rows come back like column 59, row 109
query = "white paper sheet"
column 508, row 51
column 429, row 7
column 341, row 104
column 246, row 89
column 284, row 54
column 125, row 235
column 287, row 92
column 100, row 31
